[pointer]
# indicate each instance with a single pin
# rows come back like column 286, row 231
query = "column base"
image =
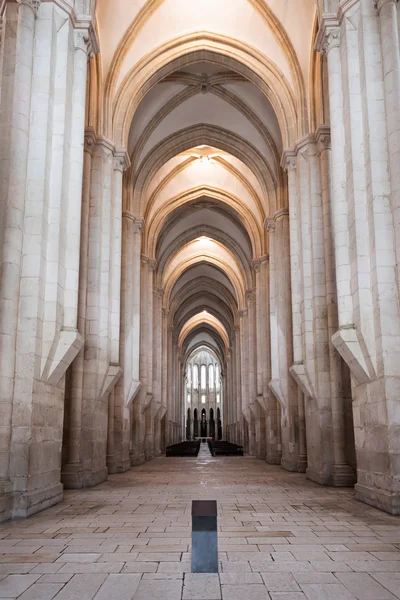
column 115, row 467
column 320, row 478
column 75, row 477
column 382, row 499
column 138, row 460
column 30, row 503
column 149, row 456
column 302, row 463
column 6, row 500
column 273, row 459
column 289, row 464
column 343, row 476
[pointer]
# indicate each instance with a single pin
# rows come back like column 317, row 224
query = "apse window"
column 189, row 377
column 211, row 376
column 217, row 375
column 203, row 377
column 218, row 398
column 188, row 398
column 196, row 377
column 203, row 399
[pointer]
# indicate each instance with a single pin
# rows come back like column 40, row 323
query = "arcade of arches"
column 190, row 184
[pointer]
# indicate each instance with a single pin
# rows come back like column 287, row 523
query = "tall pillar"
column 272, row 405
column 286, row 387
column 17, row 40
column 118, row 413
column 365, row 244
column 389, row 37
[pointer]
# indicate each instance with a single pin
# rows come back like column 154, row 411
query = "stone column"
column 252, row 371
column 118, row 415
column 137, row 451
column 17, row 41
column 238, row 381
column 389, row 36
column 76, row 389
column 273, row 405
column 342, row 473
column 244, row 358
column 287, row 385
column 89, row 467
column 170, row 404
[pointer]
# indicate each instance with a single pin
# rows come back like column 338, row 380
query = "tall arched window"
column 203, row 377
column 195, row 377
column 189, row 398
column 211, row 377
column 189, row 377
column 217, row 376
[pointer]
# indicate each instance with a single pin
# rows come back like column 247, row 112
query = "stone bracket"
column 347, row 343
column 148, row 398
column 275, row 387
column 246, row 414
column 69, row 344
column 163, row 412
column 299, row 373
column 114, row 372
column 253, row 408
column 261, row 401
column 133, row 389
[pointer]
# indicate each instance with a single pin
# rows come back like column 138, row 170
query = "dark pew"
column 183, row 449
column 221, row 448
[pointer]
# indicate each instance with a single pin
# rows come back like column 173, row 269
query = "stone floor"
column 280, row 537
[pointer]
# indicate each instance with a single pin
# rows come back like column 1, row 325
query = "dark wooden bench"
column 225, row 449
column 183, row 449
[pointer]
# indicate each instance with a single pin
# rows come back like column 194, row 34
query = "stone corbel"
column 323, row 137
column 347, row 343
column 289, row 160
column 69, row 344
column 90, row 140
column 269, row 225
column 110, row 380
column 261, row 402
column 299, row 373
column 328, row 36
column 121, row 160
column 246, row 414
column 274, row 386
column 147, row 401
column 163, row 412
column 257, row 262
column 131, row 392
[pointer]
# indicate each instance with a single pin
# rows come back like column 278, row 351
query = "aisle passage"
column 280, row 537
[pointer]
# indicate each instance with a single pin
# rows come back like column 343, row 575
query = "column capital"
column 90, row 140
column 328, row 36
column 32, row 4
column 151, row 262
column 269, row 224
column 289, row 160
column 257, row 262
column 323, row 137
column 379, row 4
column 121, row 160
column 106, row 145
column 159, row 292
column 243, row 313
